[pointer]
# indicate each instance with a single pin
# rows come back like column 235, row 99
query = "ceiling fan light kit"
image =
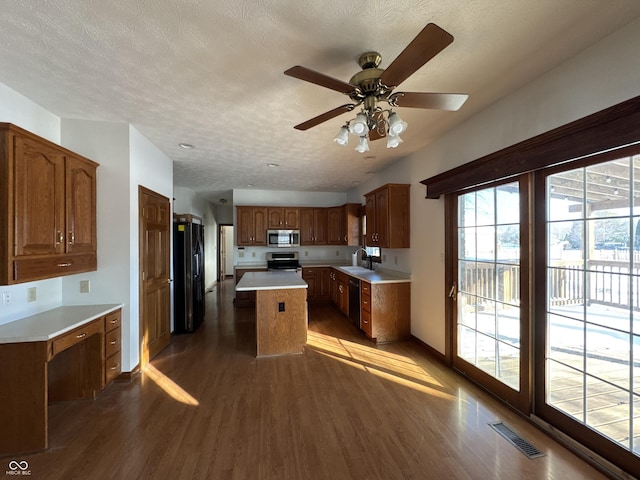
column 373, row 85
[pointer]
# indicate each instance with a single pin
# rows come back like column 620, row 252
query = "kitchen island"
column 281, row 311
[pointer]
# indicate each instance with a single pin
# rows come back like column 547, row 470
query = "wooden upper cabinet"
column 81, row 206
column 283, row 218
column 313, row 226
column 251, row 226
column 39, row 198
column 335, row 226
column 343, row 225
column 47, row 209
column 387, row 210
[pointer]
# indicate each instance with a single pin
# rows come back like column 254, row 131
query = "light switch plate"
column 32, row 294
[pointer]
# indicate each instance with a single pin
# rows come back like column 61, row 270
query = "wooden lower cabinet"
column 385, row 308
column 75, row 365
column 319, row 284
column 245, row 299
column 385, row 311
column 112, row 342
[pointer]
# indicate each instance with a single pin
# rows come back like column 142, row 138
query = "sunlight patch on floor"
column 391, row 366
column 174, row 390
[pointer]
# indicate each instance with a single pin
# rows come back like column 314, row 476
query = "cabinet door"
column 371, row 219
column 291, row 218
column 245, row 226
column 309, row 276
column 382, row 217
column 260, row 226
column 335, row 226
column 306, row 226
column 39, row 198
column 320, row 226
column 81, row 206
column 276, row 217
column 323, row 280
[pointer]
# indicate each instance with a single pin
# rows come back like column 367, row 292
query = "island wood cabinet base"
column 281, row 321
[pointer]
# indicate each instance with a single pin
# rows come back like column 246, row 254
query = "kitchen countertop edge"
column 44, row 326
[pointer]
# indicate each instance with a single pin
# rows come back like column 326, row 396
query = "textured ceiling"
column 210, row 72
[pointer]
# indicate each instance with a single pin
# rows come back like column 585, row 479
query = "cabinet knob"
column 82, row 335
column 72, row 237
column 64, row 264
column 60, row 238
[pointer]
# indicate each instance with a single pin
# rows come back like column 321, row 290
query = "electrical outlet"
column 253, row 254
column 337, row 253
column 6, row 297
column 306, row 253
column 395, row 259
column 32, row 294
column 85, row 286
column 241, row 254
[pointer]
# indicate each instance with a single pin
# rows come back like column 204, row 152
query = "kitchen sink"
column 356, row 269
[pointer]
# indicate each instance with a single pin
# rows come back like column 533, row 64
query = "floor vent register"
column 516, row 440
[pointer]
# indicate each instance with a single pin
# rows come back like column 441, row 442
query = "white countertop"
column 270, row 281
column 375, row 276
column 47, row 325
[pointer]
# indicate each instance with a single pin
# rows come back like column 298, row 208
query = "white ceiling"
column 210, row 73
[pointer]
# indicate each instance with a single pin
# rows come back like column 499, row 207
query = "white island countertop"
column 51, row 323
column 270, row 281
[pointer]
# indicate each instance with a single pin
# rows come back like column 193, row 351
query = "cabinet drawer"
column 38, row 268
column 365, row 288
column 112, row 320
column 112, row 342
column 76, row 336
column 112, row 368
column 365, row 301
column 365, row 322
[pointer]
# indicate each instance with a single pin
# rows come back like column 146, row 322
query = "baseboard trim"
column 126, row 377
column 432, row 352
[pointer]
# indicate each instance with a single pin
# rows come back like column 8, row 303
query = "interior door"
column 155, row 291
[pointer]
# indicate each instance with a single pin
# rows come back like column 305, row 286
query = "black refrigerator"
column 188, row 272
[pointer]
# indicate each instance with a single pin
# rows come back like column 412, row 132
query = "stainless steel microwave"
column 283, row 238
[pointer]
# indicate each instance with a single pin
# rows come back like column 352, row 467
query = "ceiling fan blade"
column 436, row 101
column 324, row 117
column 321, row 79
column 429, row 42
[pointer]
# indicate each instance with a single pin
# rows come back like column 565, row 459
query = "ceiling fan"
column 373, row 85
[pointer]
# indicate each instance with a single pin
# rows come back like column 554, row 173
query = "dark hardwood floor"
column 206, row 408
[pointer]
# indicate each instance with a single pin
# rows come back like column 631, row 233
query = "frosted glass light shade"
column 342, row 138
column 363, row 145
column 359, row 125
column 396, row 124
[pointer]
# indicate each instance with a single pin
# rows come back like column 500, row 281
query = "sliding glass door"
column 591, row 318
column 492, row 321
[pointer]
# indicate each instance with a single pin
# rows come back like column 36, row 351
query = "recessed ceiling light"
column 186, row 146
column 249, row 184
column 355, row 182
column 335, row 186
column 272, row 165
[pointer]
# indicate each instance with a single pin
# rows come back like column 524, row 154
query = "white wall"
column 108, row 144
column 602, row 75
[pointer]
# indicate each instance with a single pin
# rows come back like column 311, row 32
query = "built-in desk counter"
column 281, row 311
column 67, row 353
